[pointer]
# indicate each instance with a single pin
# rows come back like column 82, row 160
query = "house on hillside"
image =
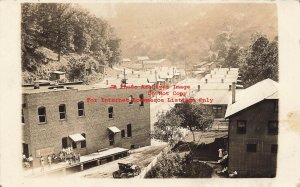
column 253, row 130
column 57, row 75
column 142, row 59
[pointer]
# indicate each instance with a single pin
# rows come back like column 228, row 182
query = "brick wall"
column 94, row 124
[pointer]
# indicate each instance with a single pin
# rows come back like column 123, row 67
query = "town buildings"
column 216, row 87
column 77, row 116
column 253, row 130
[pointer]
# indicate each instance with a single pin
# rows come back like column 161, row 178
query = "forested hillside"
column 67, row 38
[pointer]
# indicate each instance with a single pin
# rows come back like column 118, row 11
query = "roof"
column 114, row 129
column 77, row 137
column 126, row 60
column 266, row 89
column 142, row 57
column 59, row 72
column 152, row 62
column 219, row 97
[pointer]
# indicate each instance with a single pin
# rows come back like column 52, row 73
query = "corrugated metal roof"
column 266, row 89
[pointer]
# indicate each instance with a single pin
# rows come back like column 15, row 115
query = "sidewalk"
column 37, row 171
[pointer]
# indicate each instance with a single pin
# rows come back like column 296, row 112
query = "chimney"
column 233, row 92
column 117, row 76
column 139, row 76
column 227, row 72
column 198, row 87
column 222, row 80
column 132, row 72
column 206, row 81
column 106, row 82
column 229, row 87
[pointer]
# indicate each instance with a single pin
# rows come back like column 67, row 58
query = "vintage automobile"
column 127, row 170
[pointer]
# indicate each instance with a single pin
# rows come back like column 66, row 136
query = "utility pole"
column 156, row 83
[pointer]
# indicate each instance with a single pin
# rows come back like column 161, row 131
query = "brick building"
column 56, row 118
column 253, row 130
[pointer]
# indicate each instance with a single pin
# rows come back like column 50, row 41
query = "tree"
column 260, row 61
column 167, row 126
column 194, row 116
column 232, row 57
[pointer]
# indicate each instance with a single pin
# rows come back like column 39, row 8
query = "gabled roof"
column 266, row 89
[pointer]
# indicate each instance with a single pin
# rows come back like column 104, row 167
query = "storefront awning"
column 114, row 129
column 77, row 137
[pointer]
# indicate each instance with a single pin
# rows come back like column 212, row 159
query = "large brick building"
column 253, row 130
column 57, row 118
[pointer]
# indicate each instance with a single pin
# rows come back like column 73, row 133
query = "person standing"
column 42, row 163
column 220, row 153
column 49, row 160
column 30, row 160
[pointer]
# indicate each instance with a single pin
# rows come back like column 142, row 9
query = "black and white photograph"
column 155, row 90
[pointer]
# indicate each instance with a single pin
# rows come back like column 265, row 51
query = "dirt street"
column 141, row 157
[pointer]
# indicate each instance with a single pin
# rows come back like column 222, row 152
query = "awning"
column 77, row 137
column 114, row 129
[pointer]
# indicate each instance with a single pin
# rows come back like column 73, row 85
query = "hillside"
column 178, row 31
column 67, row 38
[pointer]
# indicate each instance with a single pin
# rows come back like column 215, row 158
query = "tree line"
column 65, row 29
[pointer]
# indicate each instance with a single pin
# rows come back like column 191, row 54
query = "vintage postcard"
column 198, row 92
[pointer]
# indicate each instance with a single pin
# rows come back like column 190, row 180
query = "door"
column 26, row 150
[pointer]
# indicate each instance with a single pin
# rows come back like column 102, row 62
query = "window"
column 251, row 148
column 62, row 111
column 274, row 148
column 110, row 112
column 22, row 114
column 42, row 114
column 273, row 127
column 129, row 133
column 83, row 143
column 81, row 108
column 111, row 138
column 130, row 100
column 74, row 145
column 241, row 126
column 64, row 142
column 122, row 133
column 142, row 99
column 217, row 109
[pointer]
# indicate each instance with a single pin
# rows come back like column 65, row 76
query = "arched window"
column 81, row 108
column 62, row 111
column 141, row 99
column 110, row 112
column 130, row 100
column 42, row 114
